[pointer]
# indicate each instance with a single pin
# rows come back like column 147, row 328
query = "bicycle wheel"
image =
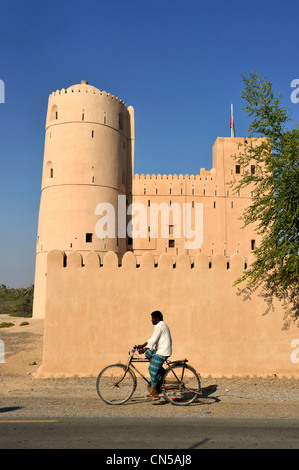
column 181, row 385
column 115, row 385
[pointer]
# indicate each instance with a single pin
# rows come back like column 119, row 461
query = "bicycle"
column 179, row 382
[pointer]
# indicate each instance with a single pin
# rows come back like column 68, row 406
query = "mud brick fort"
column 112, row 246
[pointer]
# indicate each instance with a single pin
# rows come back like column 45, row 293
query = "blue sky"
column 177, row 63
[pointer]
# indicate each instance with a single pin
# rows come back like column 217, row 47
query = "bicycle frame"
column 131, row 366
column 170, row 364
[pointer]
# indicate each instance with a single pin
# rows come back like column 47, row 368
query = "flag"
column 232, row 123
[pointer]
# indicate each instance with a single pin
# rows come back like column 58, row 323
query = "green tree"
column 275, row 202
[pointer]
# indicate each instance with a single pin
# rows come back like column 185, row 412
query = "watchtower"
column 88, row 159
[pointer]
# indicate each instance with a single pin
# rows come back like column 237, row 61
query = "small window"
column 171, row 243
column 144, row 190
column 170, row 229
column 252, row 245
column 120, row 121
column 214, row 204
column 82, row 116
column 130, row 241
column 238, row 169
column 252, row 169
column 192, row 192
column 92, row 134
column 148, row 203
column 51, row 173
column 88, row 237
column 169, row 190
column 192, row 204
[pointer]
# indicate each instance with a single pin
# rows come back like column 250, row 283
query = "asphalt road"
column 149, row 433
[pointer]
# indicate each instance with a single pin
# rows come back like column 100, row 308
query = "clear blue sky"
column 177, row 63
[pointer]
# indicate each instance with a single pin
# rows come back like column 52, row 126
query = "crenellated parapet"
column 84, row 88
column 198, row 177
column 58, row 259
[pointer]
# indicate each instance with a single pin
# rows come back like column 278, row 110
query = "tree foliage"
column 16, row 302
column 275, row 202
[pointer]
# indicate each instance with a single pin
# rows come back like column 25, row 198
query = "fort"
column 96, row 289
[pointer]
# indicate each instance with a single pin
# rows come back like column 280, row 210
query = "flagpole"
column 232, row 124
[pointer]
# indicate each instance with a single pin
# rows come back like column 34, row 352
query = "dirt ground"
column 24, row 396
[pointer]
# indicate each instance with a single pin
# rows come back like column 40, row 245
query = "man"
column 159, row 348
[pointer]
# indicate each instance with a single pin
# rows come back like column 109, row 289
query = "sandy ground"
column 24, row 396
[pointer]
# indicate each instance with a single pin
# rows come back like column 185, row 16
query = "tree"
column 275, row 202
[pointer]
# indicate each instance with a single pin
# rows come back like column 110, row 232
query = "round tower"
column 88, row 159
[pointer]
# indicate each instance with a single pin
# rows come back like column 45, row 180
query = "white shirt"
column 161, row 339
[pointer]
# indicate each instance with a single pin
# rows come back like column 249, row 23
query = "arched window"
column 54, row 113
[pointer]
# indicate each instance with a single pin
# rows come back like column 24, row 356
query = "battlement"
column 198, row 177
column 58, row 259
column 85, row 88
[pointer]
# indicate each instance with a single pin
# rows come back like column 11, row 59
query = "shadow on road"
column 8, row 409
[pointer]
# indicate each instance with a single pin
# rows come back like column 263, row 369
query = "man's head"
column 156, row 317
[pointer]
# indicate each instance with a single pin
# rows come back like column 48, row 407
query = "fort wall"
column 97, row 311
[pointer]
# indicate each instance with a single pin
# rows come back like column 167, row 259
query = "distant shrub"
column 16, row 302
column 6, row 324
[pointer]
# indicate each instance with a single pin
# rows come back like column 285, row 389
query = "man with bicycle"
column 157, row 349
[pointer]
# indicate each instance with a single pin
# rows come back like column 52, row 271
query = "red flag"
column 232, row 123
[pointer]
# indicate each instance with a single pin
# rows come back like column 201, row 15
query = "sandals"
column 152, row 397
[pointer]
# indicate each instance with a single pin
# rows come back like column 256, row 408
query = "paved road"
column 149, row 433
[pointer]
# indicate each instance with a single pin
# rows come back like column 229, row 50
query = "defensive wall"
column 95, row 313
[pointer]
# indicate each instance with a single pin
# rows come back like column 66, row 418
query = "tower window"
column 252, row 169
column 54, row 112
column 252, row 245
column 171, row 243
column 51, row 173
column 88, row 237
column 214, row 205
column 92, row 134
column 83, row 117
column 120, row 121
column 170, row 229
column 238, row 169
